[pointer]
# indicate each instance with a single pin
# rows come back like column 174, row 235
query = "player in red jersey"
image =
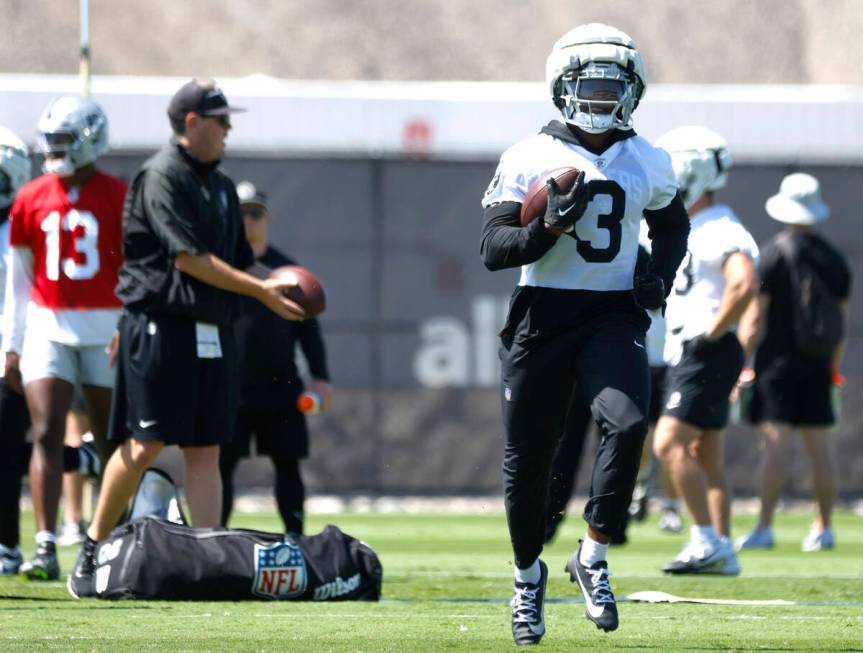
column 61, row 310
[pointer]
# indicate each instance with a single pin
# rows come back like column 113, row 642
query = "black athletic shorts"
column 278, row 433
column 163, row 391
column 698, row 387
column 657, row 393
column 793, row 392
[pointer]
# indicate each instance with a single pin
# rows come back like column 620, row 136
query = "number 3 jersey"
column 715, row 234
column 627, row 178
column 66, row 250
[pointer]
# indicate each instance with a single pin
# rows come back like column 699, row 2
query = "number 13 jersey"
column 627, row 178
column 75, row 237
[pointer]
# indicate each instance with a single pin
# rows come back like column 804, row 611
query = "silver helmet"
column 596, row 77
column 14, row 166
column 71, row 133
column 700, row 159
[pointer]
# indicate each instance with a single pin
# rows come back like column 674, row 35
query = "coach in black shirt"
column 793, row 384
column 269, row 380
column 184, row 251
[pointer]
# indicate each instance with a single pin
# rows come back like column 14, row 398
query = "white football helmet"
column 71, row 133
column 700, row 159
column 14, row 166
column 596, row 77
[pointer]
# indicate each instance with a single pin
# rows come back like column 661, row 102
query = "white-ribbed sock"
column 592, row 551
column 45, row 536
column 530, row 575
column 703, row 533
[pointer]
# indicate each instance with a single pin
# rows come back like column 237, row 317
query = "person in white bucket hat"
column 798, row 201
column 805, row 283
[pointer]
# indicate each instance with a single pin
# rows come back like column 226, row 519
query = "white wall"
column 814, row 124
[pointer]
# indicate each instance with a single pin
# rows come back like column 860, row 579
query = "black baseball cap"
column 201, row 96
column 248, row 194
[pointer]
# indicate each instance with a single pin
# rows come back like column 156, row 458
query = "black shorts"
column 164, row 391
column 793, row 392
column 698, row 387
column 278, row 433
column 657, row 393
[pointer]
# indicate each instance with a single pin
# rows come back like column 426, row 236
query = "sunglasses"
column 255, row 213
column 223, row 119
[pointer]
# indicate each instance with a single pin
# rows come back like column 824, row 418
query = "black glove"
column 564, row 210
column 649, row 291
column 698, row 345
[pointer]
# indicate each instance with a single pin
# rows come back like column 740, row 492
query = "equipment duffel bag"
column 151, row 558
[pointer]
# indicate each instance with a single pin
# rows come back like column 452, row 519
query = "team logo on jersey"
column 494, row 182
column 280, row 571
column 599, row 163
column 673, row 400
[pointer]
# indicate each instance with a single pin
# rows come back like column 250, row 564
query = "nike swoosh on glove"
column 564, row 210
column 649, row 291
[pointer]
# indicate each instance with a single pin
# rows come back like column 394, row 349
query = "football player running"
column 61, row 310
column 712, row 290
column 577, row 317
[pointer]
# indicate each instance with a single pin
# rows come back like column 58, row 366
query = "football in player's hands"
column 536, row 200
column 649, row 291
column 308, row 293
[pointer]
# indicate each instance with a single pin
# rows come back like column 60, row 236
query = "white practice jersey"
column 654, row 341
column 715, row 234
column 600, row 253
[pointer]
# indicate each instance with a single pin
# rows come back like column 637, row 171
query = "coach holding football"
column 184, row 252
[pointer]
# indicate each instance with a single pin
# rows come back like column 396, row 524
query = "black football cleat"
column 600, row 606
column 528, row 610
column 82, row 581
column 44, row 565
column 10, row 560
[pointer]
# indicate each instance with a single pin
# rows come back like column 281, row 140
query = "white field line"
column 618, row 576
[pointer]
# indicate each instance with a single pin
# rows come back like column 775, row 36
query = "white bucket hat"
column 798, row 201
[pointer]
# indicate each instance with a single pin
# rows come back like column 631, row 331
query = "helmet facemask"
column 58, row 149
column 597, row 97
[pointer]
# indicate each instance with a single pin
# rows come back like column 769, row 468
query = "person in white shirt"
column 713, row 288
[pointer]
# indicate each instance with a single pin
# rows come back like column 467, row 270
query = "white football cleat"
column 818, row 540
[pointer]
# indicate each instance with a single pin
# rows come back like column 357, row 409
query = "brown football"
column 308, row 293
column 536, row 200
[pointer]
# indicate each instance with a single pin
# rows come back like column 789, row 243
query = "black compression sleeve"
column 506, row 244
column 312, row 344
column 669, row 232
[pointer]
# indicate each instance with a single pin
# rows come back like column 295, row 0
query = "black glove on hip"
column 649, row 291
column 564, row 210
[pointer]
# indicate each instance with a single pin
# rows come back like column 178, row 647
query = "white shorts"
column 77, row 364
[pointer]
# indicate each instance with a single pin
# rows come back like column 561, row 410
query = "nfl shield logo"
column 507, row 393
column 280, row 571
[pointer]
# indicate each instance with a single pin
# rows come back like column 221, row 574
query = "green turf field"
column 440, row 572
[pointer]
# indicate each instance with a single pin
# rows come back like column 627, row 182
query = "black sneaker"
column 638, row 506
column 82, row 580
column 528, row 611
column 10, row 560
column 44, row 565
column 600, row 607
column 89, row 460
